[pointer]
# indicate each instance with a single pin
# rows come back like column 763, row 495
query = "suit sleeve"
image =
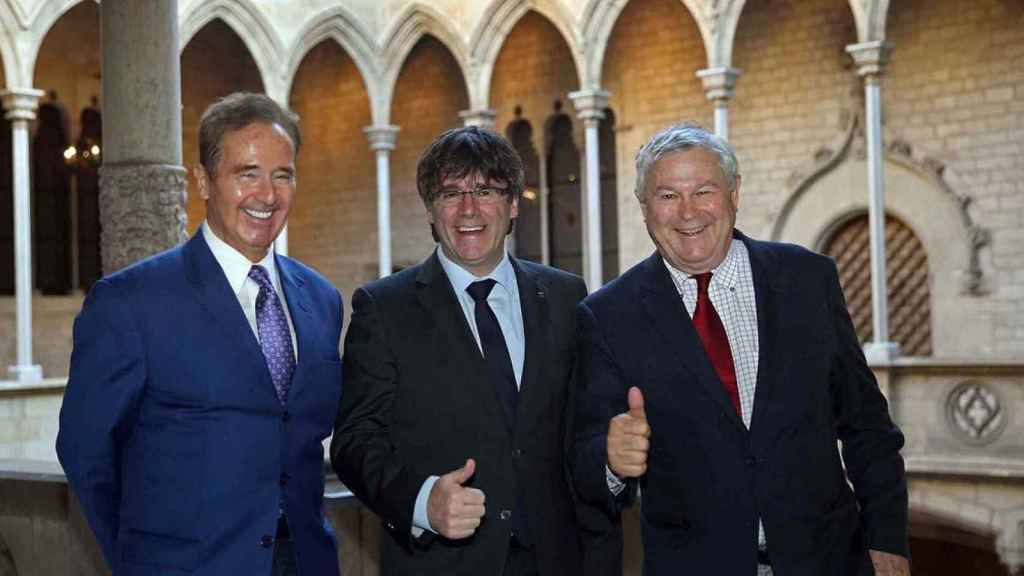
column 871, row 442
column 361, row 451
column 107, row 377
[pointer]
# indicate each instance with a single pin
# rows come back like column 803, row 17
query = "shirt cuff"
column 615, row 486
column 420, row 521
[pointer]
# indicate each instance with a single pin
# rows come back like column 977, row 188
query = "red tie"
column 716, row 343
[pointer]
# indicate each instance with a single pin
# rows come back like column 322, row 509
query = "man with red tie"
column 718, row 375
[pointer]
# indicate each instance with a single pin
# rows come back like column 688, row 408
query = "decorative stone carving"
column 850, row 142
column 142, row 208
column 974, row 412
column 976, row 237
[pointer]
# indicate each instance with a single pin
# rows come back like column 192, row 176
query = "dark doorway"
column 527, row 232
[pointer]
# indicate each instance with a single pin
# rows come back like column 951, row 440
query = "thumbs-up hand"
column 455, row 511
column 629, row 439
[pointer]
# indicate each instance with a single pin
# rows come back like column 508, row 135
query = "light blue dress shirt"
column 504, row 301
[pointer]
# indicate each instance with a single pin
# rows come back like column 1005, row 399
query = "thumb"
column 465, row 473
column 636, row 403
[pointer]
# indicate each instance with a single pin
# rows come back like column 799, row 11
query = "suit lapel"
column 768, row 292
column 534, row 303
column 299, row 308
column 668, row 314
column 213, row 295
column 454, row 338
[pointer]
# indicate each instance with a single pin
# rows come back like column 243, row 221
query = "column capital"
column 719, row 82
column 870, row 57
column 483, row 117
column 382, row 137
column 590, row 104
column 21, row 103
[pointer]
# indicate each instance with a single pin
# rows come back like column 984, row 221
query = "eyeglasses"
column 484, row 195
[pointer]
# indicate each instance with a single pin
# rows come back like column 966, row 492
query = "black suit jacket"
column 417, row 402
column 709, row 479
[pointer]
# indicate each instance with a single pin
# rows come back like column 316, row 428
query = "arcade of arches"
column 373, row 81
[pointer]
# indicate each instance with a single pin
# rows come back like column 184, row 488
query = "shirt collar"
column 725, row 274
column 461, row 278
column 236, row 266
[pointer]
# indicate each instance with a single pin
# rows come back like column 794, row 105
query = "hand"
column 887, row 564
column 628, row 439
column 455, row 511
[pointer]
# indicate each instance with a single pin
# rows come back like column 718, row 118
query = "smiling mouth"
column 469, row 229
column 693, row 231
column 258, row 214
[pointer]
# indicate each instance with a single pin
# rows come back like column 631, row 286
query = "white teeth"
column 470, row 228
column 693, row 232
column 258, row 214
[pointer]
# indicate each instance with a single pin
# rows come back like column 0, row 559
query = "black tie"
column 499, row 363
column 499, row 370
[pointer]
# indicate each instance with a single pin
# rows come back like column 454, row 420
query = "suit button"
column 285, row 416
column 751, row 461
column 266, row 541
column 283, row 481
column 518, row 452
column 505, row 514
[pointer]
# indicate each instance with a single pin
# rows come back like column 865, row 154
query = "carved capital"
column 382, row 137
column 870, row 58
column 482, row 117
column 142, row 209
column 719, row 82
column 590, row 104
column 21, row 103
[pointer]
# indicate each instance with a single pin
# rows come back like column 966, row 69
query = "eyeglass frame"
column 491, row 195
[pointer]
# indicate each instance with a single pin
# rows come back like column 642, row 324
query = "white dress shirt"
column 236, row 269
column 504, row 301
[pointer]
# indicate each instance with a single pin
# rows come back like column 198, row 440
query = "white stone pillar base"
column 881, row 353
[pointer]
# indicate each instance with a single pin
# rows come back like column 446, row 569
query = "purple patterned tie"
column 275, row 337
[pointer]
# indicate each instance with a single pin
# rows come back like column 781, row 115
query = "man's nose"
column 467, row 203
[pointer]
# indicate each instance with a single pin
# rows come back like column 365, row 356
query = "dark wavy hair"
column 460, row 152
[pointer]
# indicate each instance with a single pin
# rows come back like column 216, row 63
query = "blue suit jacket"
column 709, row 479
column 171, row 433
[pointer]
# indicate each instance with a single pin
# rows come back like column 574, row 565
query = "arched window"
column 910, row 322
column 527, row 232
column 565, row 214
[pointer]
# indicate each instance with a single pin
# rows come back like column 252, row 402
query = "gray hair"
column 682, row 137
column 234, row 112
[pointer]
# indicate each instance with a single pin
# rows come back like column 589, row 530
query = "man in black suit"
column 458, row 373
column 718, row 375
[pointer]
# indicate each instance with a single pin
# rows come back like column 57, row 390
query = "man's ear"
column 202, row 181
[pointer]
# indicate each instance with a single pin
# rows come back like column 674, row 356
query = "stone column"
column 718, row 88
column 871, row 58
column 482, row 117
column 142, row 180
column 590, row 105
column 21, row 109
column 382, row 141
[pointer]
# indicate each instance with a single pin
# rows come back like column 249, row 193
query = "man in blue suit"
column 204, row 379
column 718, row 375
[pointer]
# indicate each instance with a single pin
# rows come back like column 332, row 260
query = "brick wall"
column 429, row 94
column 649, row 67
column 954, row 90
column 333, row 224
column 796, row 85
column 215, row 63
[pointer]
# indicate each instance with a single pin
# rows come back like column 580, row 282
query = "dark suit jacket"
column 709, row 479
column 171, row 433
column 417, row 402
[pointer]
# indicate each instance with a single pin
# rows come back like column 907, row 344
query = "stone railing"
column 964, row 427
